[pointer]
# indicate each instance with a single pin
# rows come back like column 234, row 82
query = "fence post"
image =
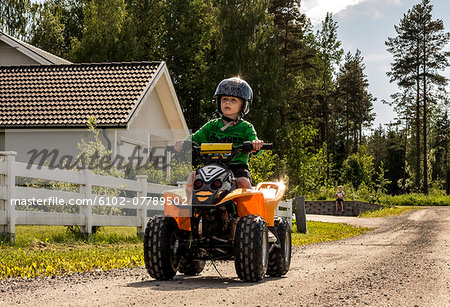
column 9, row 182
column 300, row 214
column 289, row 210
column 86, row 209
column 142, row 211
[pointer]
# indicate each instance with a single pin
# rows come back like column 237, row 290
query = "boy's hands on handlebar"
column 257, row 145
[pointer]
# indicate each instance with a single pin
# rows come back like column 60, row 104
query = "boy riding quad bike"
column 220, row 222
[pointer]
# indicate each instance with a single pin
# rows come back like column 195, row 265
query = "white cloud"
column 316, row 10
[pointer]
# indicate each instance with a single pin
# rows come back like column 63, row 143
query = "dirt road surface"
column 404, row 262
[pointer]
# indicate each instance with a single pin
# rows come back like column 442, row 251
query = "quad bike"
column 220, row 222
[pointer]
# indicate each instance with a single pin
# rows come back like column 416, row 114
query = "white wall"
column 10, row 56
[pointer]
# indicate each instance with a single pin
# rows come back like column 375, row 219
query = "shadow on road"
column 181, row 282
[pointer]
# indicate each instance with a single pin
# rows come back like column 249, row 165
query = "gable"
column 11, row 56
column 16, row 52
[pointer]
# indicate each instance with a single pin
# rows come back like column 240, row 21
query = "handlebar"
column 246, row 147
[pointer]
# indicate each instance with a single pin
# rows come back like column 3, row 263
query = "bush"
column 415, row 199
column 264, row 167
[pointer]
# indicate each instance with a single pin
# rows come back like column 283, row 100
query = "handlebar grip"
column 170, row 148
column 267, row 146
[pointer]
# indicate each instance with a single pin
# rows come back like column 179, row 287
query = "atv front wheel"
column 280, row 257
column 191, row 267
column 251, row 245
column 160, row 247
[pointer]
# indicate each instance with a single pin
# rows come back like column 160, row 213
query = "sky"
column 366, row 25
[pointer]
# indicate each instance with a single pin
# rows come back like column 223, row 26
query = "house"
column 15, row 52
column 46, row 101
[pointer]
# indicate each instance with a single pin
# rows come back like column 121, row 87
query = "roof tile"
column 60, row 95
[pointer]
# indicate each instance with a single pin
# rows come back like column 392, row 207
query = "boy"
column 340, row 198
column 233, row 97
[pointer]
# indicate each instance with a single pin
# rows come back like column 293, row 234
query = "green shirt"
column 237, row 134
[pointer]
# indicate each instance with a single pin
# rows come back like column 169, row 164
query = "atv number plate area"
column 209, row 148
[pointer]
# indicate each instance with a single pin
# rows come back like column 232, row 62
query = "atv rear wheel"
column 160, row 247
column 251, row 245
column 191, row 267
column 280, row 257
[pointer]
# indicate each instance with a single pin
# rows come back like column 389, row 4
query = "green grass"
column 388, row 211
column 415, row 199
column 322, row 232
column 52, row 250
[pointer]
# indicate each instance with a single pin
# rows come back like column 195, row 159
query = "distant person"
column 340, row 198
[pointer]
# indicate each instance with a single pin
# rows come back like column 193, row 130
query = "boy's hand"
column 178, row 145
column 257, row 144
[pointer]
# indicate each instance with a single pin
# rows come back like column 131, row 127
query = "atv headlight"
column 198, row 184
column 216, row 184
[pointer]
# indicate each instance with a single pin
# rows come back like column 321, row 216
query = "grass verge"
column 388, row 211
column 43, row 251
column 322, row 232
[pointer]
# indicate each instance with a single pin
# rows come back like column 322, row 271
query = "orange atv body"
column 218, row 221
column 261, row 201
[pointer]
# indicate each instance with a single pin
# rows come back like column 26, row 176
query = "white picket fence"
column 12, row 196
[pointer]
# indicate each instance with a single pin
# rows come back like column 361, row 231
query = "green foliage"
column 419, row 59
column 388, row 211
column 265, row 167
column 48, row 28
column 53, row 250
column 415, row 199
column 292, row 71
column 307, row 169
column 13, row 17
column 358, row 168
column 324, row 232
column 50, row 250
column 353, row 109
column 102, row 39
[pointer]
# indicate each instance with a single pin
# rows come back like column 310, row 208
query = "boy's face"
column 231, row 106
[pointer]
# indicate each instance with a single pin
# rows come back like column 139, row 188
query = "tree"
column 359, row 168
column 329, row 55
column 441, row 144
column 102, row 39
column 354, row 105
column 13, row 17
column 418, row 58
column 245, row 45
column 188, row 28
column 48, row 29
column 297, row 59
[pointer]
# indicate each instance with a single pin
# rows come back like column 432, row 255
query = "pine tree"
column 418, row 59
column 329, row 55
column 355, row 104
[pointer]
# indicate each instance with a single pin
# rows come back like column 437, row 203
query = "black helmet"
column 235, row 87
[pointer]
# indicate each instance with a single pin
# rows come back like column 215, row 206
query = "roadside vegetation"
column 47, row 251
column 389, row 211
column 323, row 232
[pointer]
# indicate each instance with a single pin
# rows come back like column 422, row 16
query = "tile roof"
column 66, row 95
column 53, row 59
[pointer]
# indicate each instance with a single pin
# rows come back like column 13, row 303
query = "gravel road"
column 404, row 262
